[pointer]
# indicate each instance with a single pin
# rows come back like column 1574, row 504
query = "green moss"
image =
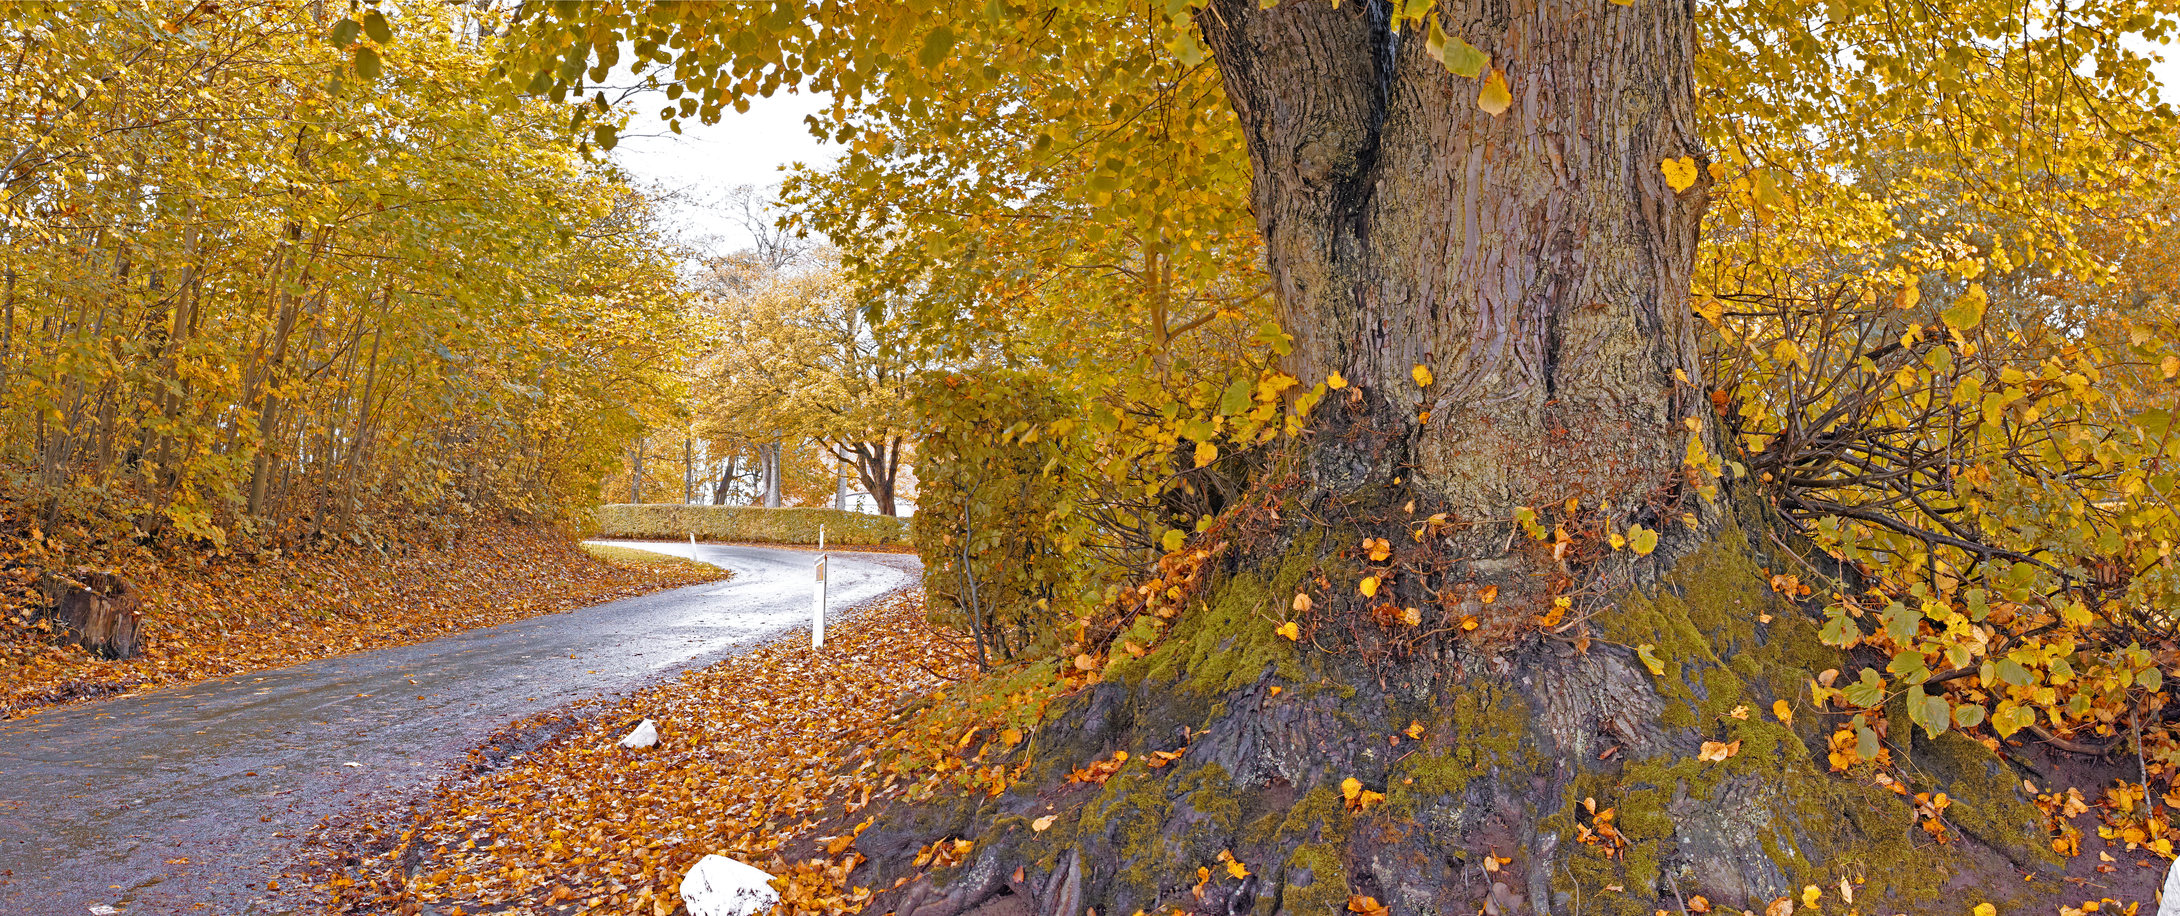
column 1214, row 650
column 1479, row 727
column 1326, row 891
column 1986, row 803
column 1729, row 643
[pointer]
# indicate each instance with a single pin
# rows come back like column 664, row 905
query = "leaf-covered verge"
column 209, row 615
column 753, row 752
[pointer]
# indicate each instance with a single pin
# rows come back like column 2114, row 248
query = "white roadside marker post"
column 817, row 611
column 692, row 547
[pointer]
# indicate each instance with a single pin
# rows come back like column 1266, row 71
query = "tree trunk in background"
column 771, row 454
column 635, row 473
column 878, row 467
column 726, row 482
column 1536, row 265
column 688, row 471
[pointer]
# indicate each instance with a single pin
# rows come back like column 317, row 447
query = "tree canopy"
column 264, row 269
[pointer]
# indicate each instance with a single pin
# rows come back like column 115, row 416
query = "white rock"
column 719, row 886
column 2169, row 904
column 100, row 909
column 645, row 735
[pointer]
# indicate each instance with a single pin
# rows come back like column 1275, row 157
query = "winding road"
column 189, row 799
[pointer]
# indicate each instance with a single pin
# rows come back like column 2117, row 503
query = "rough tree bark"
column 1536, row 263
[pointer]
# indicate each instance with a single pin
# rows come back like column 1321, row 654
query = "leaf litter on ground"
column 752, row 752
column 208, row 617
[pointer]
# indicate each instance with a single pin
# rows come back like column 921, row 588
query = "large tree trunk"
column 1536, row 264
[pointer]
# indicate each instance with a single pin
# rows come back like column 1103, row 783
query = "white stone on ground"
column 645, row 735
column 719, row 886
column 2169, row 905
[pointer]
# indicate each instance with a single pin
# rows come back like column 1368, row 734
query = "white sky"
column 707, row 160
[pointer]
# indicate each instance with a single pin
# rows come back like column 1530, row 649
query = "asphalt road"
column 187, row 800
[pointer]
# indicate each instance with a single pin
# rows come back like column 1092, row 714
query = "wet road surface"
column 188, row 799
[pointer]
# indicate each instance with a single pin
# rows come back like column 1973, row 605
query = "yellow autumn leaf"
column 1560, row 606
column 1411, row 616
column 1784, row 712
column 1811, row 894
column 1350, row 787
column 1680, row 174
column 1043, row 824
column 1966, row 312
column 1495, row 98
column 1718, row 750
column 1414, row 730
column 1422, row 375
column 1642, row 539
column 1290, row 630
column 1206, row 453
column 1236, row 869
column 1335, row 381
column 1302, row 603
column 1985, row 909
column 1370, row 586
column 1379, row 549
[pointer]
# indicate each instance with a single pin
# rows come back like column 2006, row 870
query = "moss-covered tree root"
column 1523, row 753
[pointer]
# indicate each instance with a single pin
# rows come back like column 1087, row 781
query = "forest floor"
column 212, row 616
column 552, row 816
column 772, row 758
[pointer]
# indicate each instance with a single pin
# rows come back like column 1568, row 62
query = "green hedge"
column 752, row 524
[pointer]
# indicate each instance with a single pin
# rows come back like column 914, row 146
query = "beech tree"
column 1502, row 627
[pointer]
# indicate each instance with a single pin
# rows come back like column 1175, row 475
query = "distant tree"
column 792, row 357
